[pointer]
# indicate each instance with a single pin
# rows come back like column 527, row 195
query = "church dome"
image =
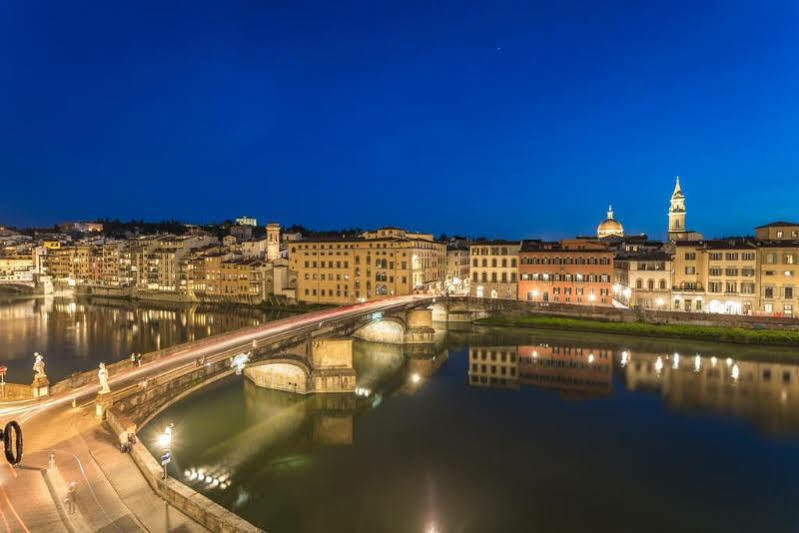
column 610, row 227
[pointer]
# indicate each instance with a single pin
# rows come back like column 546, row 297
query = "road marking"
column 5, row 495
column 3, row 516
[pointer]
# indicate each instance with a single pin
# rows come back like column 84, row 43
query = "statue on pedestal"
column 102, row 375
column 41, row 385
column 38, row 367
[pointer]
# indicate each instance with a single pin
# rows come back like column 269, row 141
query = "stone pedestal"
column 40, row 387
column 102, row 403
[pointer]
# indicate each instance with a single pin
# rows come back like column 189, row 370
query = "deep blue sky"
column 501, row 119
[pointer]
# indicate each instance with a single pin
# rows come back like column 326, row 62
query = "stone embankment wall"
column 195, row 505
column 15, row 391
column 612, row 314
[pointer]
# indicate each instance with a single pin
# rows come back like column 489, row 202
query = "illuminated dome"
column 610, row 227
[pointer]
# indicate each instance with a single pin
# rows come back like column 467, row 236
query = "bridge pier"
column 420, row 326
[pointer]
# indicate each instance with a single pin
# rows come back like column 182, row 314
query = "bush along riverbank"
column 710, row 333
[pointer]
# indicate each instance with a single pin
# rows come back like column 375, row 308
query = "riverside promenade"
column 110, row 492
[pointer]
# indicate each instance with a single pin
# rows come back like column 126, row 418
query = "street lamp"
column 165, row 442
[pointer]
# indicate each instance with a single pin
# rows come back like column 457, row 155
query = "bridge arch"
column 285, row 372
column 17, row 287
column 389, row 329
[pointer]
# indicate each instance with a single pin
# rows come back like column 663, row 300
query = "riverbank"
column 273, row 304
column 736, row 335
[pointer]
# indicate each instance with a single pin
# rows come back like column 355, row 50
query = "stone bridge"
column 315, row 357
column 17, row 287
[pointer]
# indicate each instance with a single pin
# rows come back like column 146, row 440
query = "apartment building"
column 457, row 277
column 717, row 276
column 576, row 271
column 385, row 262
column 777, row 272
column 643, row 279
column 494, row 269
column 16, row 267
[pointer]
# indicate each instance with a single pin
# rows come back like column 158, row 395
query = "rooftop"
column 778, row 223
column 496, row 242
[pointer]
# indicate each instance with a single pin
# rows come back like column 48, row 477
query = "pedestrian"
column 124, row 445
column 132, row 358
column 72, row 490
column 138, row 359
column 51, row 462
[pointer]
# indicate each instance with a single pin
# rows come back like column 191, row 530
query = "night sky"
column 499, row 119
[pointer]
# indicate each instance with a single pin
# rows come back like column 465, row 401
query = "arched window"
column 663, row 284
column 639, row 284
column 650, row 284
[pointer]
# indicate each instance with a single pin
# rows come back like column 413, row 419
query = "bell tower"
column 272, row 241
column 677, row 210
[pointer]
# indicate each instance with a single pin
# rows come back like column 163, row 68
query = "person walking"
column 72, row 491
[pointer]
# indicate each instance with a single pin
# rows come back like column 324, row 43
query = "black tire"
column 17, row 440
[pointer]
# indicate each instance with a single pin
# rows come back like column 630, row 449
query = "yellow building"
column 717, row 276
column 457, row 278
column 16, row 267
column 643, row 279
column 494, row 269
column 385, row 262
column 778, row 271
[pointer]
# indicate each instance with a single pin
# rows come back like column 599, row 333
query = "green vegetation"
column 710, row 333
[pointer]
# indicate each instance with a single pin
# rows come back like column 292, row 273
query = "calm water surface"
column 508, row 431
column 77, row 335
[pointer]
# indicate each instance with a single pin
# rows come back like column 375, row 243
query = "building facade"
column 494, row 269
column 777, row 272
column 716, row 276
column 576, row 271
column 385, row 262
column 457, row 277
column 643, row 279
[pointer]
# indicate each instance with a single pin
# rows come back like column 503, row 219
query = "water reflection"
column 77, row 334
column 575, row 371
column 412, row 456
column 766, row 393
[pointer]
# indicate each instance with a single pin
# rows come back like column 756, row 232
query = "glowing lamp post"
column 165, row 442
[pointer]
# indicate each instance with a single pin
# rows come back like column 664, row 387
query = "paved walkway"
column 112, row 494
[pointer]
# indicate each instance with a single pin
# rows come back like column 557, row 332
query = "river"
column 508, row 430
column 78, row 334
